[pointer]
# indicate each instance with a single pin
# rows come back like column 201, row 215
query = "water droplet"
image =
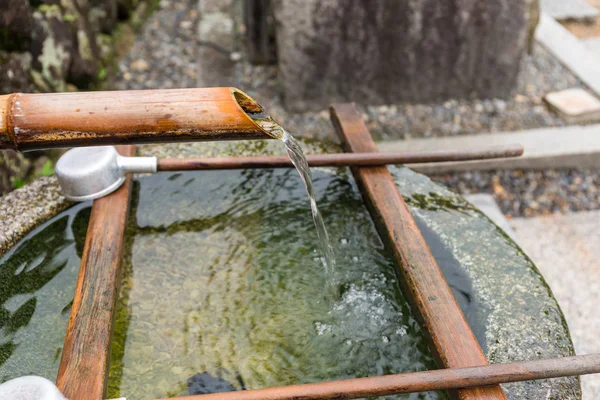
column 401, row 331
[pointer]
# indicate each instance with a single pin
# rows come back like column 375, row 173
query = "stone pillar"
column 390, row 51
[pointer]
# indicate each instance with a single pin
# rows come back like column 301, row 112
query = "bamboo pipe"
column 441, row 379
column 39, row 121
column 339, row 160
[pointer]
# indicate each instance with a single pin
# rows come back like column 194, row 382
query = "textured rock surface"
column 565, row 249
column 25, row 208
column 522, row 319
column 392, row 51
column 15, row 25
column 13, row 166
column 14, row 72
column 64, row 42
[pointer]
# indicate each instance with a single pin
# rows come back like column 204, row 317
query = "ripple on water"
column 237, row 290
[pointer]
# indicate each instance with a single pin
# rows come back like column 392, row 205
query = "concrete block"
column 568, row 147
column 487, row 205
column 575, row 105
column 566, row 250
column 593, row 45
column 570, row 51
column 569, row 10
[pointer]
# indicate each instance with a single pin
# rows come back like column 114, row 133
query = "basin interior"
column 224, row 276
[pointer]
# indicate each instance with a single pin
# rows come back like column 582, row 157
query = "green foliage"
column 49, row 8
column 18, row 183
column 102, row 74
column 47, row 168
column 69, row 17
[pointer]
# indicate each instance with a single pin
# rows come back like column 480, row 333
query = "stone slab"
column 568, row 147
column 574, row 105
column 487, row 205
column 570, row 51
column 507, row 291
column 566, row 249
column 23, row 209
column 569, row 10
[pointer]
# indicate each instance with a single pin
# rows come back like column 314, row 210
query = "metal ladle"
column 88, row 173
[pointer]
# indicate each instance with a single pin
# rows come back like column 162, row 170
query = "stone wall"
column 56, row 46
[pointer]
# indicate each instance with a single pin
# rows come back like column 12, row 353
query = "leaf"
column 18, row 183
column 47, row 169
column 102, row 74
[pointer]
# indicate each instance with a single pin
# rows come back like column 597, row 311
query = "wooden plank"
column 424, row 284
column 339, row 159
column 83, row 370
column 421, row 381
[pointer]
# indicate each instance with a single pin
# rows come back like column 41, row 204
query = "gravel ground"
column 531, row 193
column 171, row 52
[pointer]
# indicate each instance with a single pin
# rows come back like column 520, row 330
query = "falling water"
column 298, row 158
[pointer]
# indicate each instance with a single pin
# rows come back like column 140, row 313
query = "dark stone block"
column 15, row 25
column 14, row 70
column 393, row 51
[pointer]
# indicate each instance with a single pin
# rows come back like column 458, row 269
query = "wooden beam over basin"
column 421, row 381
column 424, row 284
column 85, row 358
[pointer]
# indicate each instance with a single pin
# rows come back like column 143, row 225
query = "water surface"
column 225, row 276
column 37, row 283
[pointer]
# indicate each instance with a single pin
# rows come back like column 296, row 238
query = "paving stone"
column 592, row 44
column 575, row 105
column 570, row 51
column 566, row 249
column 569, row 10
column 487, row 205
column 569, row 147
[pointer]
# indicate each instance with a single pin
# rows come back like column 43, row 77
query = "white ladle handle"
column 137, row 164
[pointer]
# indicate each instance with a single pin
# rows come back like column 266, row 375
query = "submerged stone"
column 205, row 383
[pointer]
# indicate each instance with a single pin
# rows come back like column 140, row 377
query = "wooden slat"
column 339, row 159
column 451, row 337
column 85, row 358
column 421, row 381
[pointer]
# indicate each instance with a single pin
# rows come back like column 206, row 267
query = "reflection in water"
column 224, row 277
column 37, row 282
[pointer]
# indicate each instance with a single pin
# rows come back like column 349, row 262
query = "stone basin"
column 505, row 299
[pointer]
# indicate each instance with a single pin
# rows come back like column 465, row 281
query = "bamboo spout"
column 39, row 121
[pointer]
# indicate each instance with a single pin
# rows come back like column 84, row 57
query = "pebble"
column 529, row 193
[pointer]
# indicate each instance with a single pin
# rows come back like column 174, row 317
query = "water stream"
column 298, row 158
